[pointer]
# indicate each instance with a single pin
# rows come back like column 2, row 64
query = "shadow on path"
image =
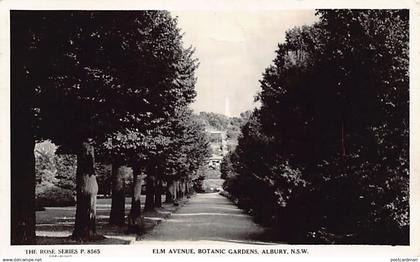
column 209, row 217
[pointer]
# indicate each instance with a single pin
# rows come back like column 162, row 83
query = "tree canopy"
column 104, row 71
column 110, row 80
column 332, row 131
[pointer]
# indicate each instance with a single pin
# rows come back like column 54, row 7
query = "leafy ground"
column 55, row 224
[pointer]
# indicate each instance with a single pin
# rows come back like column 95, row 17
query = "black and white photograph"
column 241, row 127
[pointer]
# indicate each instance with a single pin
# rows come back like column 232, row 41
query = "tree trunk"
column 158, row 193
column 22, row 140
column 22, row 186
column 183, row 187
column 187, row 188
column 87, row 189
column 178, row 192
column 179, row 189
column 181, row 192
column 175, row 193
column 117, row 216
column 150, row 193
column 174, row 190
column 169, row 191
column 135, row 219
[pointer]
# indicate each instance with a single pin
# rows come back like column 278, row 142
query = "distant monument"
column 218, row 141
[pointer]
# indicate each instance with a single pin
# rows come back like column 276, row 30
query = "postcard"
column 253, row 130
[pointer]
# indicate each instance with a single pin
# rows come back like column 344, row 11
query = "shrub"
column 66, row 171
column 49, row 195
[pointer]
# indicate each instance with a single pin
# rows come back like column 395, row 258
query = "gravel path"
column 208, row 217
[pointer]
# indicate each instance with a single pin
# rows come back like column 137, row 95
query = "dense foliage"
column 231, row 125
column 110, row 82
column 54, row 173
column 327, row 152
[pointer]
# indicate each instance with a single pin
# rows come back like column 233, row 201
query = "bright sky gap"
column 234, row 48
